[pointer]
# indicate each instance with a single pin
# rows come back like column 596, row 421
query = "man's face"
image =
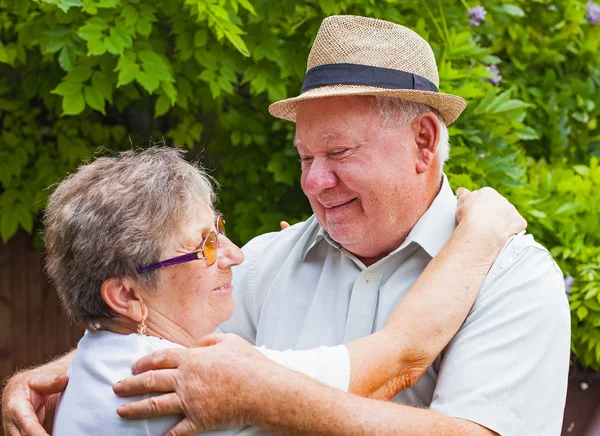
column 359, row 176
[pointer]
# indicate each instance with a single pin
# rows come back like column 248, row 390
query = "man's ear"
column 122, row 296
column 426, row 129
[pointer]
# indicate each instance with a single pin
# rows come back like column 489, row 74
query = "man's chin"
column 344, row 235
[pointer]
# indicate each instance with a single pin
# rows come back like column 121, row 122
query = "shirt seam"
column 512, row 262
column 484, row 398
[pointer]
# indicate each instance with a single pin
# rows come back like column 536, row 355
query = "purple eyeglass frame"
column 189, row 256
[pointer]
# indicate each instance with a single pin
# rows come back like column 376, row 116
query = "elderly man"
column 372, row 138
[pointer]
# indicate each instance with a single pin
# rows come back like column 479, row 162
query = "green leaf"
column 8, row 226
column 170, row 91
column 582, row 170
column 96, row 47
column 200, row 38
column 148, row 80
column 162, row 106
column 144, row 27
column 64, row 59
column 526, row 133
column 80, row 73
column 114, row 43
column 582, row 312
column 22, row 215
column 128, row 68
column 3, row 55
column 65, row 5
column 67, row 88
column 247, row 5
column 93, row 28
column 101, row 82
column 567, row 207
column 511, row 105
column 130, row 14
column 94, row 99
column 73, row 104
column 53, row 46
column 513, row 10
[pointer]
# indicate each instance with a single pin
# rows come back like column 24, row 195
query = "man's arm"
column 252, row 390
column 305, row 407
column 31, row 395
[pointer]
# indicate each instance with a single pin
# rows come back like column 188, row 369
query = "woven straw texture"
column 368, row 41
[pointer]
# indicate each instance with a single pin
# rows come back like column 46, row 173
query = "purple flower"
column 497, row 77
column 592, row 13
column 476, row 15
column 568, row 283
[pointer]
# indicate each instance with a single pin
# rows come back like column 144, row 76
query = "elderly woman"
column 138, row 255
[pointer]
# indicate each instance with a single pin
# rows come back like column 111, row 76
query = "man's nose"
column 318, row 177
column 229, row 253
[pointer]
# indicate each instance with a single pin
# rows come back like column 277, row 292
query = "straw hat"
column 364, row 56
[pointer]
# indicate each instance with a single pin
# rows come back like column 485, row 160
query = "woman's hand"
column 488, row 211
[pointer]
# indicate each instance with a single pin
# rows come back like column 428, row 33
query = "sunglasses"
column 209, row 251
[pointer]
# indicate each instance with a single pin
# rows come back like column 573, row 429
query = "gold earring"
column 141, row 329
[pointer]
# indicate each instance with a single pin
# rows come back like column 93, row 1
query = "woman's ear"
column 122, row 296
column 427, row 134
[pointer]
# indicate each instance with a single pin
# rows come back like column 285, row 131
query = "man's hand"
column 27, row 398
column 216, row 385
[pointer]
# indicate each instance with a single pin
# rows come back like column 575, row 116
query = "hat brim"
column 447, row 105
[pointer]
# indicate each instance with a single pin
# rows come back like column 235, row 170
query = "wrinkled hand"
column 216, row 385
column 489, row 211
column 27, row 398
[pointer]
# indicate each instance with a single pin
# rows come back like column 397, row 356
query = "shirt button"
column 368, row 277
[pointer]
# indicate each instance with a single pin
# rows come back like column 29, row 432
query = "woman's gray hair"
column 398, row 111
column 113, row 216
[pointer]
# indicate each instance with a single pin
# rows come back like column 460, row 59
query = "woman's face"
column 192, row 298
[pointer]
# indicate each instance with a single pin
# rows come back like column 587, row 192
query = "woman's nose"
column 229, row 253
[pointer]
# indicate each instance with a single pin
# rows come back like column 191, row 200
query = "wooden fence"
column 33, row 329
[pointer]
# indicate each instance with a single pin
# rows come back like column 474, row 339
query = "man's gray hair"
column 113, row 216
column 398, row 111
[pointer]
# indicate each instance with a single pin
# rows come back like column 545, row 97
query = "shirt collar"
column 431, row 231
column 438, row 222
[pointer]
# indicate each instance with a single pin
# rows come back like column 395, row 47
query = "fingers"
column 462, row 191
column 48, row 384
column 162, row 359
column 183, row 428
column 32, row 427
column 167, row 404
column 151, row 381
column 211, row 339
column 284, row 225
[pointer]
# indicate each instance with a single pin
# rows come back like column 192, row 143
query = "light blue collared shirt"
column 505, row 369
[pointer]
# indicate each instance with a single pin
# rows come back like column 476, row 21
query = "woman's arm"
column 427, row 318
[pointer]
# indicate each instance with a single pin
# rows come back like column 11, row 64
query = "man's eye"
column 305, row 159
column 337, row 153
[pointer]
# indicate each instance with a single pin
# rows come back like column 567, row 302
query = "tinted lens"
column 210, row 248
column 221, row 225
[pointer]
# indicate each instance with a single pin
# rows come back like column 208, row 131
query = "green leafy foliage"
column 82, row 75
column 563, row 209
